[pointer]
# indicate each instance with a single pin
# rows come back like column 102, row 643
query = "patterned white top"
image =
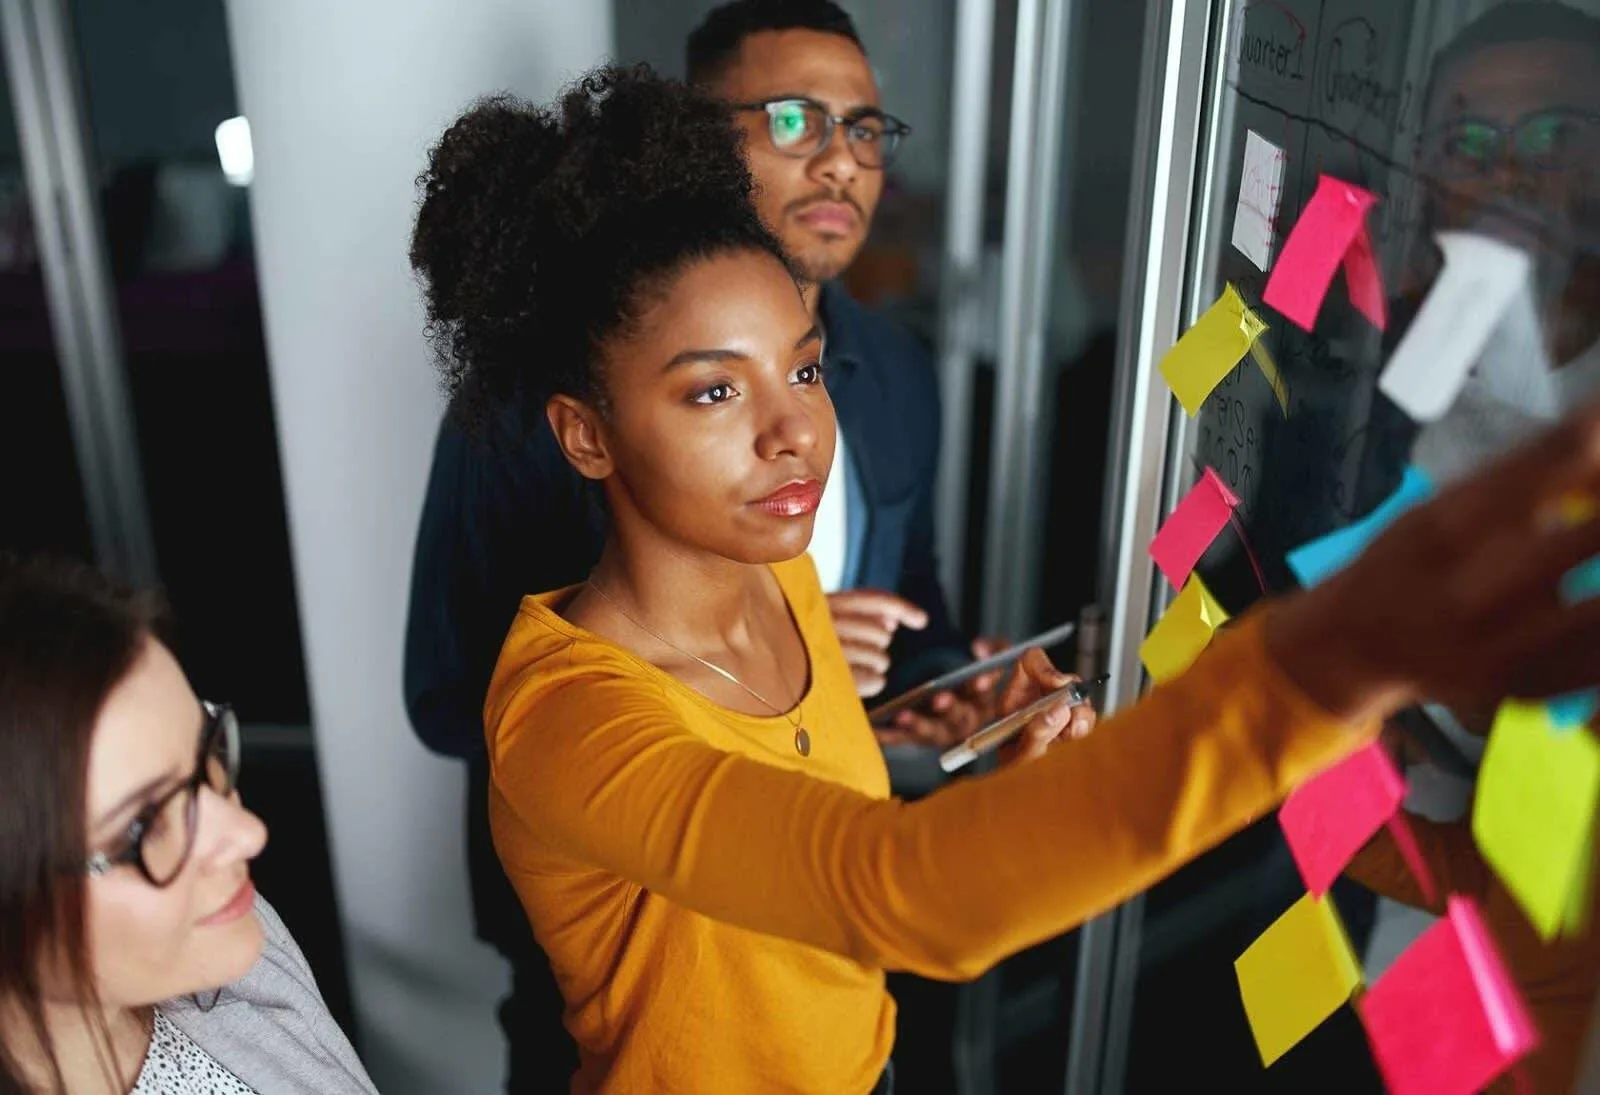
column 176, row 1066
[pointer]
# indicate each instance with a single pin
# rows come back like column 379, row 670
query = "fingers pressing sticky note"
column 1182, row 632
column 1534, row 812
column 1445, row 1019
column 1205, row 353
column 1298, row 973
column 1329, row 554
column 1331, row 231
column 1327, row 820
column 1194, row 524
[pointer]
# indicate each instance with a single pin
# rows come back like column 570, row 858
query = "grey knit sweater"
column 271, row 1028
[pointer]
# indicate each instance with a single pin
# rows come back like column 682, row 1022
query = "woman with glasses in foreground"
column 134, row 951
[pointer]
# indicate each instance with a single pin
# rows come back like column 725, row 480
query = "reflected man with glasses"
column 798, row 79
column 1510, row 147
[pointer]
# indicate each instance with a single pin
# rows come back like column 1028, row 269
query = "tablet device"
column 957, row 677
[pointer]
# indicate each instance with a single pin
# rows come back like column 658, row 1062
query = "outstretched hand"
column 1459, row 601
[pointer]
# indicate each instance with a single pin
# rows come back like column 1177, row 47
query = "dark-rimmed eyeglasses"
column 1552, row 139
column 803, row 127
column 160, row 840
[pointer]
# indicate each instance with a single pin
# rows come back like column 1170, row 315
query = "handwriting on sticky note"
column 1300, row 971
column 1214, row 345
column 1329, row 818
column 1331, row 232
column 1481, row 277
column 1191, row 528
column 1534, row 811
column 1255, row 220
column 1445, row 1019
column 1322, row 557
column 1183, row 631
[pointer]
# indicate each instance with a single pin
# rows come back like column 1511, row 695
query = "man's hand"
column 952, row 716
column 866, row 621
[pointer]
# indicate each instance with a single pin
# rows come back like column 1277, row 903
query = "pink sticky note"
column 1364, row 282
column 1322, row 240
column 1406, row 841
column 1191, row 528
column 1446, row 1019
column 1328, row 819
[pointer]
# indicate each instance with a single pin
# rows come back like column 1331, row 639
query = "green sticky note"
column 1183, row 631
column 1533, row 816
column 1209, row 349
column 1300, row 971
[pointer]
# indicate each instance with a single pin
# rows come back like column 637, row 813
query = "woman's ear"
column 578, row 430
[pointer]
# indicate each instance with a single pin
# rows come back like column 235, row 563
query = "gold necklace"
column 802, row 740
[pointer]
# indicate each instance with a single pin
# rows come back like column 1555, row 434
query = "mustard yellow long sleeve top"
column 719, row 911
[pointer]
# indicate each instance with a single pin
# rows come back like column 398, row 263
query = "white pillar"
column 343, row 100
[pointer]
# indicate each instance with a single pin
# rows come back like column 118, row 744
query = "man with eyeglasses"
column 797, row 78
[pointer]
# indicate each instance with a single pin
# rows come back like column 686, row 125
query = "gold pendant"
column 802, row 742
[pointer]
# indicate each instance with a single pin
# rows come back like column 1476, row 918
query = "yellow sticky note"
column 1205, row 353
column 1580, row 902
column 1269, row 369
column 1534, row 813
column 1298, row 973
column 1183, row 631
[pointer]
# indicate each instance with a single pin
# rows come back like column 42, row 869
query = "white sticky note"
column 1515, row 368
column 1480, row 279
column 1260, row 190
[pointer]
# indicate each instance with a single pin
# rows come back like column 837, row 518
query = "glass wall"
column 1470, row 120
column 41, row 494
column 162, row 116
column 136, row 416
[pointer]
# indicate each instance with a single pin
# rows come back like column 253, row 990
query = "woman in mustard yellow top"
column 686, row 794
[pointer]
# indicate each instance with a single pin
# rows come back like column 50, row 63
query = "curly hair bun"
column 540, row 228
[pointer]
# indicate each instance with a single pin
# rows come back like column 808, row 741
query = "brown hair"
column 68, row 635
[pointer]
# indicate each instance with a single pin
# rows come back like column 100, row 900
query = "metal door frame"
column 961, row 278
column 1148, row 432
column 1022, row 419
column 53, row 130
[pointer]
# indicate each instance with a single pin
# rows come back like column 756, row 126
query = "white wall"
column 343, row 100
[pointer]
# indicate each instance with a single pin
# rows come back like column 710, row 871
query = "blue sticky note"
column 1577, row 708
column 1314, row 562
column 1573, row 709
column 1582, row 581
